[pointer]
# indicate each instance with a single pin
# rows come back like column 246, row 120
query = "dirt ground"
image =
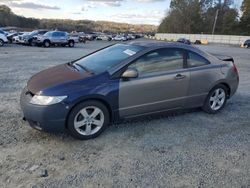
column 191, row 149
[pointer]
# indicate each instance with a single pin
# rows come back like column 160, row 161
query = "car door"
column 162, row 83
column 56, row 37
column 63, row 38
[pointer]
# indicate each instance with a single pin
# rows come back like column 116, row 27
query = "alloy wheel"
column 217, row 99
column 89, row 120
column 46, row 44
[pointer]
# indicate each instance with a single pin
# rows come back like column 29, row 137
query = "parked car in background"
column 120, row 38
column 55, row 38
column 3, row 32
column 82, row 37
column 10, row 36
column 197, row 42
column 16, row 40
column 74, row 36
column 104, row 37
column 183, row 40
column 30, row 38
column 123, row 81
column 3, row 39
column 247, row 43
column 130, row 37
column 137, row 36
column 89, row 37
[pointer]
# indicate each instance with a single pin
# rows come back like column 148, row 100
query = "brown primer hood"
column 54, row 76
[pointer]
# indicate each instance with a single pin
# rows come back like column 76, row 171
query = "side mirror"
column 130, row 73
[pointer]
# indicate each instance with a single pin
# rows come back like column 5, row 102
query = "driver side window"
column 158, row 61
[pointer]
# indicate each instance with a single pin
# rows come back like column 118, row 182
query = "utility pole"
column 215, row 20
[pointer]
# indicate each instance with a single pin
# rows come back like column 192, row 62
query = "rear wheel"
column 88, row 120
column 216, row 99
column 32, row 42
column 71, row 43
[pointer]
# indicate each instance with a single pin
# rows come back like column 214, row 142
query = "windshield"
column 107, row 58
column 48, row 34
column 34, row 33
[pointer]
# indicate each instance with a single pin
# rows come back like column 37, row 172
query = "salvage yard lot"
column 191, row 149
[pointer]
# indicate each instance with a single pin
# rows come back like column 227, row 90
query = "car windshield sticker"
column 129, row 52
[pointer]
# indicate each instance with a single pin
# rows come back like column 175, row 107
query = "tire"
column 71, row 44
column 216, row 99
column 32, row 42
column 46, row 44
column 80, row 123
column 1, row 42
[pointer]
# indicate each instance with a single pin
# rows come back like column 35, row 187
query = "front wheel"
column 46, row 44
column 88, row 120
column 1, row 42
column 216, row 99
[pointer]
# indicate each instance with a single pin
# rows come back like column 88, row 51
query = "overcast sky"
column 128, row 11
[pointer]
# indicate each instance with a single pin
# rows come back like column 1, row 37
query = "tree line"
column 8, row 18
column 202, row 16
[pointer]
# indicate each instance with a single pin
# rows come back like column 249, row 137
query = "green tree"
column 245, row 18
column 184, row 17
column 197, row 16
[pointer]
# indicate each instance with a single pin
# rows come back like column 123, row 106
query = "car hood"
column 54, row 76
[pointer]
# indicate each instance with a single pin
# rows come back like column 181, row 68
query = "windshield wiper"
column 72, row 65
column 84, row 68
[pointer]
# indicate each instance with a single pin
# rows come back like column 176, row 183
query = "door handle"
column 179, row 76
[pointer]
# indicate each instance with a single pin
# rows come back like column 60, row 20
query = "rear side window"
column 195, row 60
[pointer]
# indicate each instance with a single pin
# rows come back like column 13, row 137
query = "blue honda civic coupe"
column 124, row 81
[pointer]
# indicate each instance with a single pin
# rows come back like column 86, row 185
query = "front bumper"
column 50, row 118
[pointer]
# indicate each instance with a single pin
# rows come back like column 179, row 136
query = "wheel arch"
column 99, row 99
column 228, row 89
column 223, row 82
column 47, row 40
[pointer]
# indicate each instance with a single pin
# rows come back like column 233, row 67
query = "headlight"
column 46, row 100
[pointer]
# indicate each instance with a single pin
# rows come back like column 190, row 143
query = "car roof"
column 58, row 31
column 155, row 44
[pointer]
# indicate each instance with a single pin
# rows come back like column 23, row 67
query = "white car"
column 3, row 39
column 103, row 37
column 119, row 38
column 15, row 39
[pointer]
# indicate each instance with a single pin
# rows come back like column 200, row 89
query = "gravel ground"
column 191, row 149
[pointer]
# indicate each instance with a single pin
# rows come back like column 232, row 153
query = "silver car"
column 55, row 38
